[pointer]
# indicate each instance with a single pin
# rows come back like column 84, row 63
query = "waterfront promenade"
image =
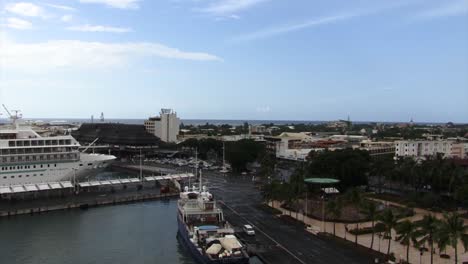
column 381, row 244
column 277, row 241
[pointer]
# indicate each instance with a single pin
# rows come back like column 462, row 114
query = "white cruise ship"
column 28, row 158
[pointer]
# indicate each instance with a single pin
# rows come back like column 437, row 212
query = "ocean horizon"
column 197, row 122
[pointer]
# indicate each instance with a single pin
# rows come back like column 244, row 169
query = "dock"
column 53, row 196
column 84, row 200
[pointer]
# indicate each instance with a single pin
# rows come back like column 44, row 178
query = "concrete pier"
column 86, row 198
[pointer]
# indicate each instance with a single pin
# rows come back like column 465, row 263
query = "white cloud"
column 263, row 109
column 25, row 9
column 61, row 7
column 66, row 18
column 97, row 28
column 122, row 4
column 227, row 7
column 454, row 8
column 269, row 32
column 325, row 20
column 17, row 23
column 43, row 56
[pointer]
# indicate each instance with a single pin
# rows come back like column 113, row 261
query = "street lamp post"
column 421, row 252
column 305, row 211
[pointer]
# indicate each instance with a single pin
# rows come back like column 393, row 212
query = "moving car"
column 248, row 229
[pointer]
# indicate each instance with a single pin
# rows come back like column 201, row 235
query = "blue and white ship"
column 204, row 231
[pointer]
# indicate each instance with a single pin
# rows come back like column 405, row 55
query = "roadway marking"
column 261, row 231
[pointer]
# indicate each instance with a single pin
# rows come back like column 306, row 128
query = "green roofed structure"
column 321, row 181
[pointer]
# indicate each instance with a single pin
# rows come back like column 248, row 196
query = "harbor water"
column 131, row 233
column 137, row 233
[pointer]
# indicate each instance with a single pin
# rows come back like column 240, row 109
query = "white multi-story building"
column 424, row 148
column 166, row 126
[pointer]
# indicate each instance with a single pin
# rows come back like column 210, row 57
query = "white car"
column 248, row 229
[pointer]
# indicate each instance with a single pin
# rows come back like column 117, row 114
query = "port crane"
column 15, row 116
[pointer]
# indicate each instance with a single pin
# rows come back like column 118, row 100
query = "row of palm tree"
column 430, row 231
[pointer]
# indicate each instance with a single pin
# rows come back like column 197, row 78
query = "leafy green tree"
column 354, row 197
column 380, row 168
column 350, row 166
column 297, row 186
column 272, row 191
column 407, row 234
column 334, row 208
column 241, row 152
column 428, row 228
column 453, row 226
column 461, row 194
column 389, row 221
column 267, row 165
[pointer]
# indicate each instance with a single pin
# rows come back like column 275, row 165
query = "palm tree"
column 455, row 230
column 407, row 234
column 370, row 209
column 428, row 227
column 297, row 186
column 354, row 197
column 334, row 208
column 389, row 221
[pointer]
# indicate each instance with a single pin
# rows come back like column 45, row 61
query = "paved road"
column 276, row 241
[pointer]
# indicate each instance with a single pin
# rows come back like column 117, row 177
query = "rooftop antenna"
column 14, row 117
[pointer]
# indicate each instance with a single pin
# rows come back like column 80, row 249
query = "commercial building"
column 378, row 147
column 166, row 126
column 425, row 148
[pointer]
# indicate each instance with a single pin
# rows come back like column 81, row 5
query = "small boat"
column 204, row 231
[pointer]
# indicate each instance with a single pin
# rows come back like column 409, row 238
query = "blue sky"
column 237, row 59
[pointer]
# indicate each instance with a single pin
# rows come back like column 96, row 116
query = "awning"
column 115, row 181
column 134, row 180
column 43, row 186
column 66, row 184
column 105, row 183
column 5, row 189
column 124, row 180
column 18, row 188
column 84, row 184
column 31, row 187
column 55, row 185
column 94, row 183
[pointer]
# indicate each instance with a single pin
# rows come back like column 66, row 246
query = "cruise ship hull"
column 88, row 166
column 184, row 238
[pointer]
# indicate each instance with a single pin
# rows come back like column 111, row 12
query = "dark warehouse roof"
column 115, row 134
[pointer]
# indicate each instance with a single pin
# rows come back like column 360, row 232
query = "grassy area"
column 428, row 201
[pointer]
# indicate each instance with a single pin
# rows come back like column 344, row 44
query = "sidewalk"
column 381, row 244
